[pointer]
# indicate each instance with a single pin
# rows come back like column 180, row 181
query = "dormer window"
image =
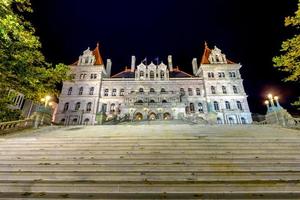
column 162, row 74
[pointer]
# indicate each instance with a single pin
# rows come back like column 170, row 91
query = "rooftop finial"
column 205, row 44
column 97, row 44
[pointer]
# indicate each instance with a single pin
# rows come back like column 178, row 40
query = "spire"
column 98, row 58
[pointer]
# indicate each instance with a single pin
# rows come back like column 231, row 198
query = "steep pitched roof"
column 207, row 52
column 177, row 73
column 124, row 74
column 98, row 58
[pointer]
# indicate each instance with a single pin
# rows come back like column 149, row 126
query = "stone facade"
column 154, row 91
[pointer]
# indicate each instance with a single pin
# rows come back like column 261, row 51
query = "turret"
column 170, row 63
column 133, row 60
column 108, row 67
column 195, row 66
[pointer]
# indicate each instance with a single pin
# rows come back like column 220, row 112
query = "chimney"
column 195, row 66
column 170, row 63
column 108, row 67
column 133, row 60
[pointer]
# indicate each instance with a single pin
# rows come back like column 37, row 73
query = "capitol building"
column 214, row 93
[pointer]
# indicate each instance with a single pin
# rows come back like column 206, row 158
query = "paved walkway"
column 151, row 162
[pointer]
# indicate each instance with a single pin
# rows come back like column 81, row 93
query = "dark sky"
column 248, row 32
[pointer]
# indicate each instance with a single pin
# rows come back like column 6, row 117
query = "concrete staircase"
column 151, row 162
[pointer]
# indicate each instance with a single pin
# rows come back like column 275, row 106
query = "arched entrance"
column 167, row 116
column 152, row 116
column 138, row 116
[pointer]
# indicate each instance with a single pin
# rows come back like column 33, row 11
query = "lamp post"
column 273, row 108
column 46, row 99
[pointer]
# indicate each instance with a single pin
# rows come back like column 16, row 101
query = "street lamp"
column 273, row 108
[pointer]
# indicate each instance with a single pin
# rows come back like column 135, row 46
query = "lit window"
column 80, row 90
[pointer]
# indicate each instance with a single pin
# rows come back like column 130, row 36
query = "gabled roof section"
column 206, row 54
column 124, row 74
column 177, row 73
column 98, row 58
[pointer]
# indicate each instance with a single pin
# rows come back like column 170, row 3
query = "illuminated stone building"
column 154, row 91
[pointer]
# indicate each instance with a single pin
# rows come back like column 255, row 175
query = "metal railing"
column 6, row 127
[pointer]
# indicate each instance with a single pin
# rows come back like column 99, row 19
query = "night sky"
column 248, row 32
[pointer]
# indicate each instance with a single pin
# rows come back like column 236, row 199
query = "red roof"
column 98, row 58
column 207, row 52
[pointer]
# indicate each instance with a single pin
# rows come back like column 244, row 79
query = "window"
column 141, row 74
column 93, row 76
column 211, row 75
column 152, row 90
column 243, row 120
column 92, row 91
column 106, row 92
column 235, row 90
column 62, row 121
column 86, row 121
column 80, row 90
column 190, row 91
column 182, row 92
column 198, row 91
column 162, row 74
column 104, row 108
column 163, row 90
column 114, row 92
column 77, row 106
column 227, row 105
column 216, row 106
column 219, row 120
column 82, row 76
column 70, row 91
column 164, row 101
column 192, row 108
column 239, row 105
column 213, row 90
column 89, row 107
column 122, row 92
column 200, row 107
column 151, row 75
column 141, row 90
column 231, row 121
column 66, row 106
column 221, row 74
column 152, row 101
column 224, row 90
column 112, row 107
column 232, row 74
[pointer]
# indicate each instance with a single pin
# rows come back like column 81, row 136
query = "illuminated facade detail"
column 154, row 91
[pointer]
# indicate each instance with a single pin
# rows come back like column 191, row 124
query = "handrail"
column 15, row 125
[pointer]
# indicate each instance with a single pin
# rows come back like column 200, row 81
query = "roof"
column 124, row 74
column 177, row 73
column 98, row 58
column 207, row 52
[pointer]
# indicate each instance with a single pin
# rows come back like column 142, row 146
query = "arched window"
column 211, row 75
column 235, row 91
column 66, row 106
column 239, row 105
column 70, row 91
column 141, row 90
column 200, row 107
column 114, row 92
column 164, row 101
column 152, row 75
column 224, row 90
column 243, row 120
column 86, row 121
column 213, row 89
column 198, row 92
column 62, row 121
column 216, row 106
column 77, row 106
column 162, row 74
column 231, row 120
column 80, row 90
column 74, row 121
column 192, row 107
column 190, row 91
column 122, row 92
column 142, row 74
column 227, row 105
column 152, row 101
column 89, row 107
column 112, row 107
column 106, row 92
column 152, row 90
column 92, row 91
column 163, row 90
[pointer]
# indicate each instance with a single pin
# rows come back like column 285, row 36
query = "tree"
column 23, row 67
column 289, row 61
